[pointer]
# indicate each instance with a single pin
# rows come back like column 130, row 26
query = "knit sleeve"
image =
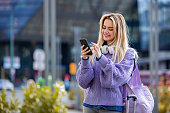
column 84, row 73
column 116, row 74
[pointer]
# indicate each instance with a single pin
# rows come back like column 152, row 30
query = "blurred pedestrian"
column 41, row 81
column 30, row 82
column 103, row 74
column 67, row 82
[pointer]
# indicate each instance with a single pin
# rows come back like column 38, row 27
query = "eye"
column 104, row 27
column 111, row 29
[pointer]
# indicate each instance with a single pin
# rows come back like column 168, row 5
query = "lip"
column 106, row 35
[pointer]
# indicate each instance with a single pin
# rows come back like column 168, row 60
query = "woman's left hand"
column 96, row 49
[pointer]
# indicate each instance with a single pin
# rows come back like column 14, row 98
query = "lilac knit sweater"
column 103, row 79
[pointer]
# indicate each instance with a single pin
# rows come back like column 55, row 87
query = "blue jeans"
column 92, row 110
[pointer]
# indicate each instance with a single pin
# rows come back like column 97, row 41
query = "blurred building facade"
column 77, row 19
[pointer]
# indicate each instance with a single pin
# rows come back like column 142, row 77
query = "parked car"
column 6, row 84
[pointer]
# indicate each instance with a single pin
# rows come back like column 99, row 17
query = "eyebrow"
column 108, row 27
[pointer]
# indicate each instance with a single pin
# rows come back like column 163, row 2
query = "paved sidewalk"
column 74, row 111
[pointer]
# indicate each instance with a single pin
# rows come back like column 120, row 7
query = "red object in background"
column 67, row 82
column 36, row 73
column 66, row 77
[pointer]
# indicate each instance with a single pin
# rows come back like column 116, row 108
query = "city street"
column 47, row 42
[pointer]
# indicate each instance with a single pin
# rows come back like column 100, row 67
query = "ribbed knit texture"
column 103, row 79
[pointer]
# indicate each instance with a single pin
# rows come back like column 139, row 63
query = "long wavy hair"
column 120, row 41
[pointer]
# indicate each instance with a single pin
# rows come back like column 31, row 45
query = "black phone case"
column 84, row 42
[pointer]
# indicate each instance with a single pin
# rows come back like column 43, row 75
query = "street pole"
column 77, row 36
column 12, row 44
column 53, row 40
column 154, row 50
column 59, row 56
column 46, row 39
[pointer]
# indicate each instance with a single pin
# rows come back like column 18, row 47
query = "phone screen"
column 85, row 43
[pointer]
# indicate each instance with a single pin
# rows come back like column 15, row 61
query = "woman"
column 103, row 74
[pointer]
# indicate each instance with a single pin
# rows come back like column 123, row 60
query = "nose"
column 106, row 31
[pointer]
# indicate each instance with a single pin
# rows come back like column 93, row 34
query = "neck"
column 109, row 43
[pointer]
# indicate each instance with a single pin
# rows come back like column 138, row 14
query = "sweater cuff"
column 99, row 57
column 85, row 59
column 103, row 61
column 85, row 63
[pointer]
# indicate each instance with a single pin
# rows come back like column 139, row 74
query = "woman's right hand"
column 84, row 52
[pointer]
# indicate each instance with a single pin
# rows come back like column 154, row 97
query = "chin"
column 107, row 39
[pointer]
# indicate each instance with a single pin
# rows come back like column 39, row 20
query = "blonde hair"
column 120, row 40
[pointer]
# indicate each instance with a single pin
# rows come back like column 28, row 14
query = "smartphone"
column 85, row 43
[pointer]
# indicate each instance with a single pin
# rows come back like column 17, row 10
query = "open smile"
column 106, row 35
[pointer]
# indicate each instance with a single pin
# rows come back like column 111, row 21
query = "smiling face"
column 107, row 31
column 113, row 31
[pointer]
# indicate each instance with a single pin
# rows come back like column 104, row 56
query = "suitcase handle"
column 134, row 105
column 132, row 96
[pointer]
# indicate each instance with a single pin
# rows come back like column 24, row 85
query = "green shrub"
column 9, row 107
column 164, row 97
column 36, row 100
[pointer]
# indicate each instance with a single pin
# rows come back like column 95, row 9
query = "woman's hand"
column 84, row 52
column 96, row 49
